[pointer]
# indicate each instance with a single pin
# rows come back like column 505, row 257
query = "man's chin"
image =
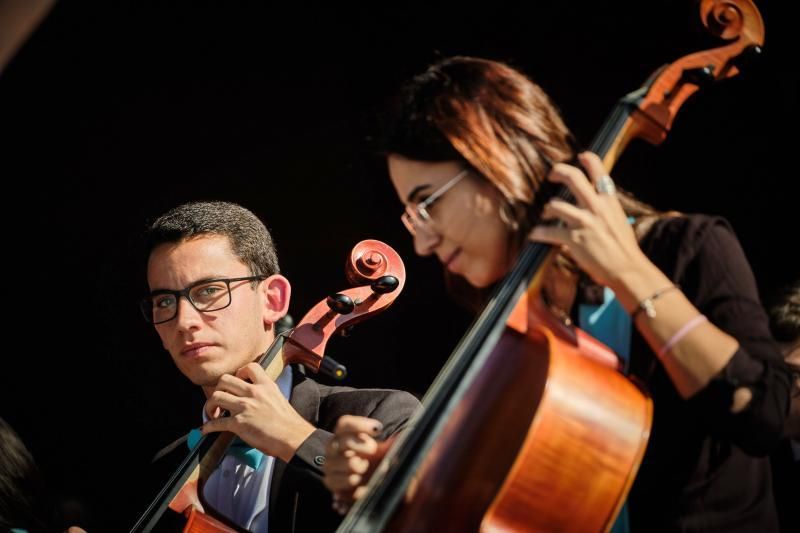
column 204, row 376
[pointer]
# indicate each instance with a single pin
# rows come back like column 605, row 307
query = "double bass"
column 377, row 275
column 567, row 456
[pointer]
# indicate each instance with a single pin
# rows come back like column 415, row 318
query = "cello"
column 377, row 275
column 567, row 457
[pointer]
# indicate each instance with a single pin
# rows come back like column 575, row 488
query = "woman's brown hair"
column 491, row 117
column 495, row 120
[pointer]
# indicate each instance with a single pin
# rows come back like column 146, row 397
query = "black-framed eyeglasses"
column 417, row 219
column 206, row 295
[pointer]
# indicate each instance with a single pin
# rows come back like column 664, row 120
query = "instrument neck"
column 272, row 361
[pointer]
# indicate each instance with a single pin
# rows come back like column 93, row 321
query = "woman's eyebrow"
column 416, row 190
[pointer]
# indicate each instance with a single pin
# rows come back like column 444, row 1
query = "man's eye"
column 165, row 301
column 209, row 290
column 207, row 293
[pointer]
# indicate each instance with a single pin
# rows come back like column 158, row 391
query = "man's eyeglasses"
column 417, row 218
column 205, row 295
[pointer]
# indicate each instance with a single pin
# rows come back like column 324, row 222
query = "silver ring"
column 605, row 185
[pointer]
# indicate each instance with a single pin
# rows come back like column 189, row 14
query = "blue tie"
column 239, row 449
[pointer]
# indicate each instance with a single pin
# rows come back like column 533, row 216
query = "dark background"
column 111, row 114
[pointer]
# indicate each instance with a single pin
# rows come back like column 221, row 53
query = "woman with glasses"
column 471, row 146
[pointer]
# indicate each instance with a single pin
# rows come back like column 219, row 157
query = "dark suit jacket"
column 299, row 501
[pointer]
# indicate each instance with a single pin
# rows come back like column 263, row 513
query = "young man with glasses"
column 215, row 296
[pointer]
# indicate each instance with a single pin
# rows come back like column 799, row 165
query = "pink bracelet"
column 681, row 333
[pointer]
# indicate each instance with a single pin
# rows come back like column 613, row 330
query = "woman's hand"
column 351, row 457
column 595, row 232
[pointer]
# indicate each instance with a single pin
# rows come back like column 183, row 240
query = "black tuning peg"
column 699, row 76
column 284, row 324
column 340, row 303
column 385, row 284
column 748, row 56
column 331, row 368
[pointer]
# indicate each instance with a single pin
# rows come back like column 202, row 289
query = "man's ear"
column 277, row 292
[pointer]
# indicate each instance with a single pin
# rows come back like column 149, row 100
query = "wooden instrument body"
column 546, row 439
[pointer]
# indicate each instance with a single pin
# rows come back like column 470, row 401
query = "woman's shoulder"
column 678, row 243
column 685, row 234
column 675, row 225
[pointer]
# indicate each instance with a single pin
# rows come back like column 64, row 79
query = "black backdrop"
column 112, row 114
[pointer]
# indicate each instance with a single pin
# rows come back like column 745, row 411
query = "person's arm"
column 695, row 352
column 746, row 400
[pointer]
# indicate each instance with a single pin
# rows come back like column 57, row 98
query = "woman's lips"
column 448, row 264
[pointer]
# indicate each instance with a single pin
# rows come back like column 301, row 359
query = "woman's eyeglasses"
column 416, row 218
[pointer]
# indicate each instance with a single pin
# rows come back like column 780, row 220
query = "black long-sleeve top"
column 705, row 468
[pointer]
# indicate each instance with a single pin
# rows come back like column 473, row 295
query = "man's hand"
column 258, row 413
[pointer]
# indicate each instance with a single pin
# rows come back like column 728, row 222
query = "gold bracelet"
column 647, row 306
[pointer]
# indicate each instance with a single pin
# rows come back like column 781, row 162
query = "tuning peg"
column 385, row 284
column 748, row 56
column 699, row 76
column 284, row 324
column 340, row 304
column 331, row 368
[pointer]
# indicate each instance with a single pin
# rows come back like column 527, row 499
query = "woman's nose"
column 425, row 242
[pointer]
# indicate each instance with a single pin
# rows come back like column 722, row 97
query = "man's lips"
column 196, row 348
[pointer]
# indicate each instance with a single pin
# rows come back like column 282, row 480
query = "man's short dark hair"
column 250, row 240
